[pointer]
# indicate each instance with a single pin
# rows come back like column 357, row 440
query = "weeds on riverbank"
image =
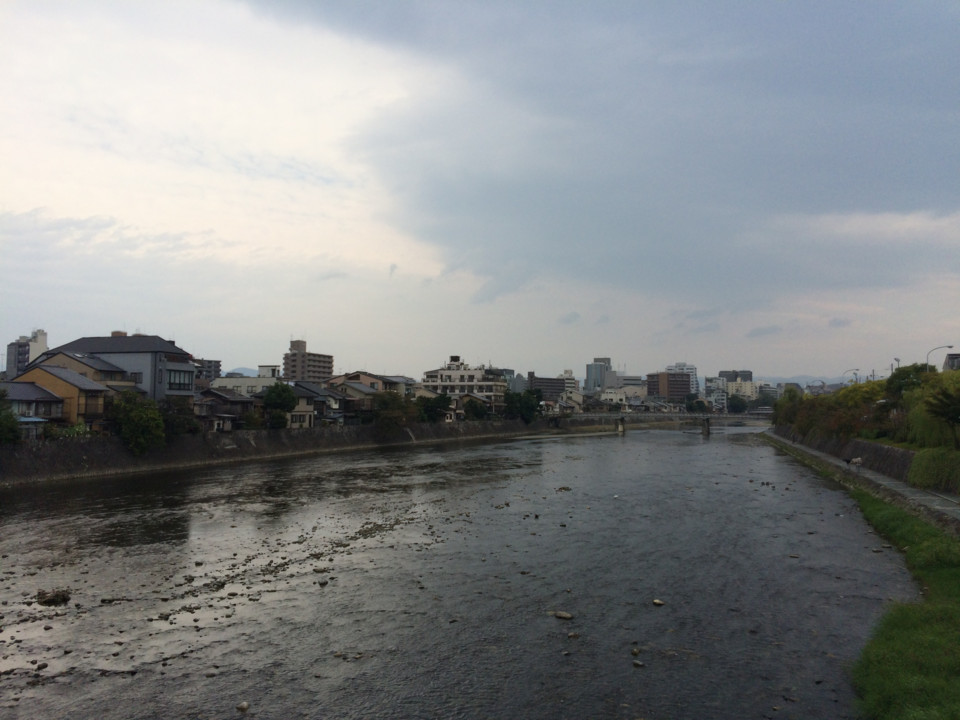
column 910, row 668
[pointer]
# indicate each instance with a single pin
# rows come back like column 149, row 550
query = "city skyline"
column 742, row 185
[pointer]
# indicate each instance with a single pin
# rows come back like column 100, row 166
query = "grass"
column 910, row 669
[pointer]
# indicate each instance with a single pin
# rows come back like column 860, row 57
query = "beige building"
column 298, row 364
column 748, row 390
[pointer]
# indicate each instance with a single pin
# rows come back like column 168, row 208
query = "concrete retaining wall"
column 95, row 456
column 890, row 461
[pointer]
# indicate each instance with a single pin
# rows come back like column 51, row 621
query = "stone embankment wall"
column 890, row 461
column 95, row 456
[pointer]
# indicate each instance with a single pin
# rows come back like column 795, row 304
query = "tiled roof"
column 27, row 392
column 120, row 344
column 74, row 378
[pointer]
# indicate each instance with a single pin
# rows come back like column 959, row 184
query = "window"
column 179, row 380
column 136, row 377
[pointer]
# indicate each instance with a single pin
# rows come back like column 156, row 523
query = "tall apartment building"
column 208, row 369
column 298, row 364
column 25, row 350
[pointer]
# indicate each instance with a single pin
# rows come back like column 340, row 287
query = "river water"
column 705, row 578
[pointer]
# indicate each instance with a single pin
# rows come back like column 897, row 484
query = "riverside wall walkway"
column 939, row 508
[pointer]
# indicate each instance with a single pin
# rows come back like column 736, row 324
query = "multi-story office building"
column 25, row 350
column 551, row 388
column 736, row 375
column 596, row 379
column 298, row 364
column 672, row 387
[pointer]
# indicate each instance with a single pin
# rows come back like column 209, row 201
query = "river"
column 704, row 578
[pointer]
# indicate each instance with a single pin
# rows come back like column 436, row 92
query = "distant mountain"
column 246, row 372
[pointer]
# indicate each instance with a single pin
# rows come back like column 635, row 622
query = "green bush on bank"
column 936, row 469
column 917, row 406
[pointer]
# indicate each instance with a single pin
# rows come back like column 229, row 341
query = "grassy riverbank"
column 910, row 668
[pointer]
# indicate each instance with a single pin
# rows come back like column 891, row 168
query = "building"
column 83, row 398
column 157, row 367
column 298, row 364
column 951, row 362
column 23, row 351
column 570, row 382
column 552, row 389
column 457, row 378
column 689, row 370
column 747, row 389
column 716, row 393
column 596, row 379
column 115, row 379
column 399, row 384
column 736, row 375
column 208, row 370
column 668, row 386
column 266, row 376
column 34, row 407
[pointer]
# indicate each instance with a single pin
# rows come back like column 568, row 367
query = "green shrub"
column 936, row 468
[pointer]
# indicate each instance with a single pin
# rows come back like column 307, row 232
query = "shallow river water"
column 705, row 578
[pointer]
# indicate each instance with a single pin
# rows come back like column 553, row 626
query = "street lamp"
column 926, row 367
column 898, row 363
column 854, row 370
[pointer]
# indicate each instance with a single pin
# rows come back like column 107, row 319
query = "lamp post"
column 926, row 367
column 898, row 363
column 854, row 370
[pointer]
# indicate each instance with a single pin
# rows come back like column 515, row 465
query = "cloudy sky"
column 762, row 185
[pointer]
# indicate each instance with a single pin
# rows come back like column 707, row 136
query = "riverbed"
column 656, row 575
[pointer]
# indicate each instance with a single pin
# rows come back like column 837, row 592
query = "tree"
column 9, row 426
column 474, row 410
column 944, row 404
column 138, row 422
column 278, row 402
column 433, row 409
column 785, row 409
column 903, row 379
column 523, row 406
column 391, row 413
column 736, row 404
column 178, row 418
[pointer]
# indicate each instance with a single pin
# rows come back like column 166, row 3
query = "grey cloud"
column 571, row 318
column 839, row 322
column 764, row 331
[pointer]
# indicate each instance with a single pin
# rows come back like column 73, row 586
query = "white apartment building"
column 457, row 378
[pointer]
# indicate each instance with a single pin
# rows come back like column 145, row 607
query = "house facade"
column 83, row 398
column 157, row 367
